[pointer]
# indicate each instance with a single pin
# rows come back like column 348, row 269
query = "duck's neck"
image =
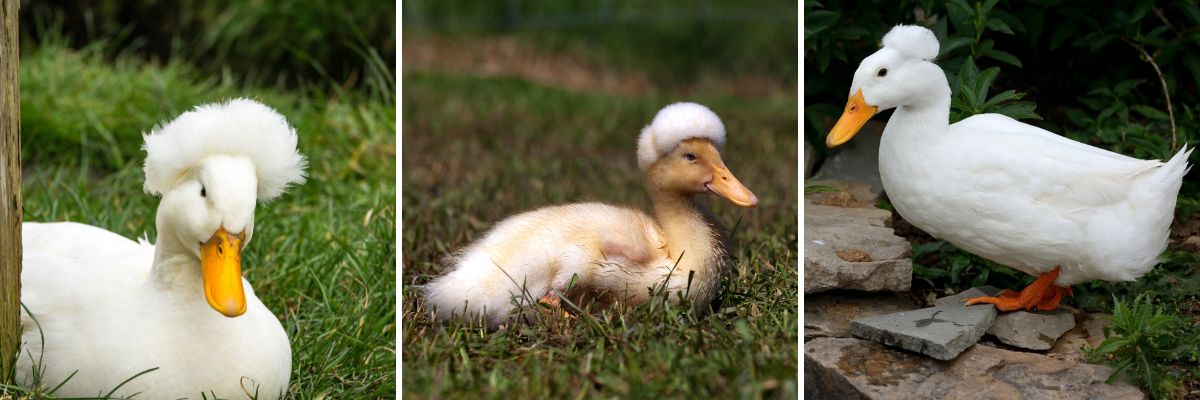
column 693, row 243
column 174, row 266
column 929, row 116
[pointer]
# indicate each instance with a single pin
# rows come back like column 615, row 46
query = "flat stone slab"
column 849, row 244
column 1033, row 330
column 864, row 257
column 844, row 368
column 940, row 332
column 829, row 314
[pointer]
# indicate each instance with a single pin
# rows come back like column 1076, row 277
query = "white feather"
column 912, row 41
column 240, row 127
column 674, row 124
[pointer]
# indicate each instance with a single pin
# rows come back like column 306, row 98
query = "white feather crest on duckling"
column 241, row 127
column 675, row 123
column 912, row 41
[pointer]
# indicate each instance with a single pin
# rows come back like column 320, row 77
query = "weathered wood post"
column 10, row 189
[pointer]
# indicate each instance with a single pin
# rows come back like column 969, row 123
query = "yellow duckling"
column 612, row 254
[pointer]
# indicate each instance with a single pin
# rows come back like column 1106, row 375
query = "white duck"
column 614, row 254
column 109, row 308
column 1011, row 192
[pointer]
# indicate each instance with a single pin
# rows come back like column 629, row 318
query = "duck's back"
column 1033, row 200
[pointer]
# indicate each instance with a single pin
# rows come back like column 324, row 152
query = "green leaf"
column 984, row 82
column 1017, row 110
column 988, row 5
column 954, row 43
column 996, row 24
column 1000, row 98
column 1190, row 9
column 1151, row 112
column 1004, row 57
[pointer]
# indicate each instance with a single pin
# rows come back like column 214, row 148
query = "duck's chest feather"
column 103, row 321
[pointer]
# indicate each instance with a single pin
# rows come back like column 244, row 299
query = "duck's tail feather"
column 1171, row 173
column 475, row 289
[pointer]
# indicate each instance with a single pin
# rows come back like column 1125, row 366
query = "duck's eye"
column 203, row 193
column 689, row 157
column 882, row 72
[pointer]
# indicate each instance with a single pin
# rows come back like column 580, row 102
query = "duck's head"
column 899, row 74
column 212, row 165
column 680, row 151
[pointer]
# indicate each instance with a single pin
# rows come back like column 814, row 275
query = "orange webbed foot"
column 1041, row 295
column 552, row 300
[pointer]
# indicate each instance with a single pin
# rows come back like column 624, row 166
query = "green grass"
column 479, row 149
column 324, row 254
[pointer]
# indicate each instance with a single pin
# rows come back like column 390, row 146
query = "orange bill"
column 726, row 185
column 856, row 114
column 221, row 264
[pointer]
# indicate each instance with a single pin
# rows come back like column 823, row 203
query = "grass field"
column 324, row 254
column 477, row 149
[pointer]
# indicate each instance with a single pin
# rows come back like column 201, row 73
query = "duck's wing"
column 1048, row 168
column 84, row 244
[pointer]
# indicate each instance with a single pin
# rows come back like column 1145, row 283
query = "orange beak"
column 221, row 265
column 856, row 114
column 726, row 185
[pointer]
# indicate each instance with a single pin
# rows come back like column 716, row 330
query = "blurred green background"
column 514, row 105
column 96, row 75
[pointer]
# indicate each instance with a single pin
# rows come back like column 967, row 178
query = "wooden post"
column 10, row 190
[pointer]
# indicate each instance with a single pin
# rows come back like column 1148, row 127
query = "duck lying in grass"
column 1011, row 192
column 104, row 308
column 599, row 254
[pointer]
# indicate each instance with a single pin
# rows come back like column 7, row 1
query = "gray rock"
column 858, row 159
column 841, row 368
column 1033, row 330
column 822, row 215
column 848, row 244
column 864, row 257
column 1037, row 330
column 966, row 294
column 939, row 332
column 848, row 194
column 829, row 314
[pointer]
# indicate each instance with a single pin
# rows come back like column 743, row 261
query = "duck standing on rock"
column 1010, row 192
column 104, row 309
column 599, row 254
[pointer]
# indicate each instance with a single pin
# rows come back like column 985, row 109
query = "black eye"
column 203, row 193
column 689, row 157
column 882, row 72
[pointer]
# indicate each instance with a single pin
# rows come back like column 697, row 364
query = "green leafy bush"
column 1142, row 339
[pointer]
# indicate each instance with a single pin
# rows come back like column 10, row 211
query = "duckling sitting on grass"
column 598, row 254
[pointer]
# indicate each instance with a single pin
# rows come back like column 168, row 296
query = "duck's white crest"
column 912, row 41
column 239, row 127
column 676, row 123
